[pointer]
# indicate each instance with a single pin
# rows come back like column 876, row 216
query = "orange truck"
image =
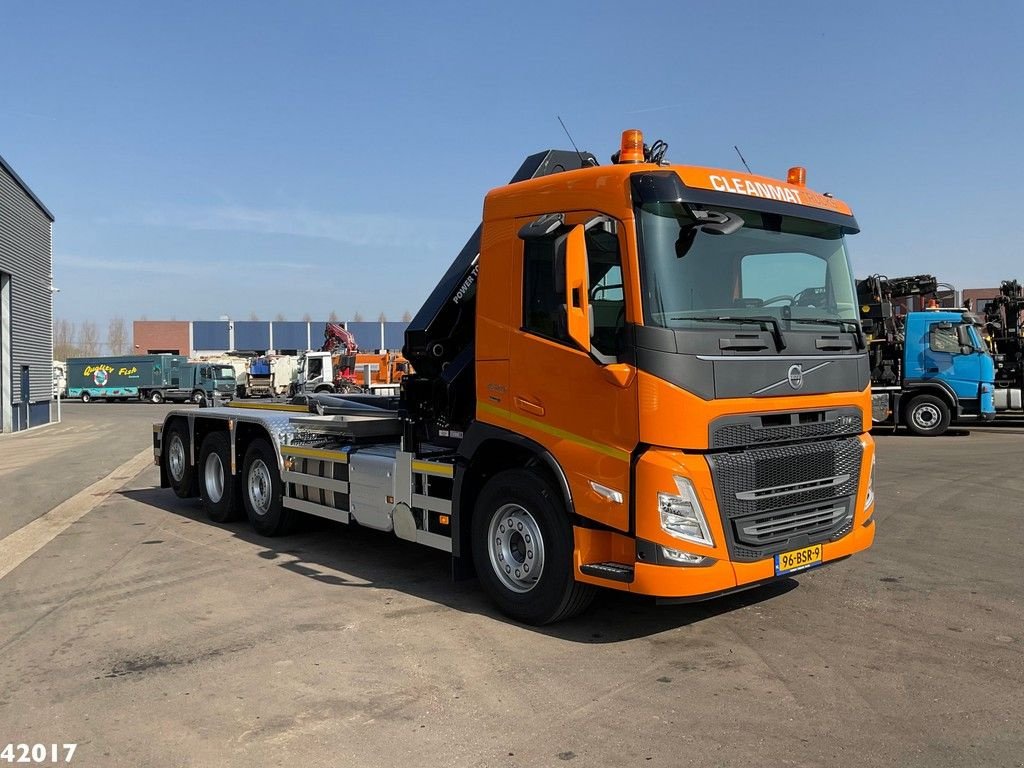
column 638, row 376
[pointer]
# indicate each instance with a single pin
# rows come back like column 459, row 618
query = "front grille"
column 740, row 431
column 785, row 496
column 782, row 525
column 805, row 473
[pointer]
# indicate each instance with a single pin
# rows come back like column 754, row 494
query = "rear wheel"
column 86, row 397
column 523, row 549
column 927, row 415
column 216, row 483
column 262, row 491
column 156, row 397
column 175, row 456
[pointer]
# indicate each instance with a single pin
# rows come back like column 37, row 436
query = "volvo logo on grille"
column 795, row 377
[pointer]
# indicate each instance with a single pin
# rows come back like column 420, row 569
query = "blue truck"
column 929, row 368
column 155, row 378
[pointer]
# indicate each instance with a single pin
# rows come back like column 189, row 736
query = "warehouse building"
column 26, row 305
column 211, row 337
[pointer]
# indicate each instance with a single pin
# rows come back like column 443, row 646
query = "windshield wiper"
column 844, row 325
column 763, row 320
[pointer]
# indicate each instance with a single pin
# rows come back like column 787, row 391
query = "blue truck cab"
column 948, row 374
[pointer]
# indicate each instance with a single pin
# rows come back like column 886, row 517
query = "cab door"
column 580, row 403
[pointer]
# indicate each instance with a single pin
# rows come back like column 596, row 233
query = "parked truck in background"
column 155, row 378
column 638, row 376
column 267, row 375
column 928, row 368
column 1005, row 332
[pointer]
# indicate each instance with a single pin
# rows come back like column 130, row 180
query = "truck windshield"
column 224, row 373
column 775, row 266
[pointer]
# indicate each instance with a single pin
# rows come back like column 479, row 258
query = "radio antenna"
column 583, row 161
column 742, row 160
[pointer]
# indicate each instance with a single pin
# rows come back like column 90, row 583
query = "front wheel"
column 927, row 415
column 156, row 397
column 523, row 549
column 198, row 397
column 262, row 493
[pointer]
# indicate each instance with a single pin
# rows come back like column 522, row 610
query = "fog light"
column 686, row 558
column 682, row 517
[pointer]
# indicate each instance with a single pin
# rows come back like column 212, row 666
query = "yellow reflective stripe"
column 313, row 453
column 445, row 470
column 269, row 406
column 525, row 421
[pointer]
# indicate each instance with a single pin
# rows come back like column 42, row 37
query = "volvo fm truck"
column 637, row 376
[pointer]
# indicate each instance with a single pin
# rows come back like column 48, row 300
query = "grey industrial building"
column 26, row 305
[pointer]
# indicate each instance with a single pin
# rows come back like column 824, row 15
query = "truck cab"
column 200, row 381
column 948, row 371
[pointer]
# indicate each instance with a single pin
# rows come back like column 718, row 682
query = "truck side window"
column 543, row 311
column 607, row 295
column 944, row 340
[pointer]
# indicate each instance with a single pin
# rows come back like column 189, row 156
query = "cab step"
column 611, row 571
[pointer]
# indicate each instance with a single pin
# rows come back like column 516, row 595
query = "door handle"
column 530, row 407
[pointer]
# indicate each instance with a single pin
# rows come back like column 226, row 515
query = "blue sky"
column 210, row 158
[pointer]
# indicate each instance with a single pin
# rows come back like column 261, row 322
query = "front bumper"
column 729, row 565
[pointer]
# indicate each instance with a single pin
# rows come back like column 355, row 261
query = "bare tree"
column 117, row 336
column 279, row 317
column 253, row 316
column 333, row 317
column 357, row 317
column 306, row 317
column 64, row 340
column 88, row 339
column 407, row 316
column 383, row 318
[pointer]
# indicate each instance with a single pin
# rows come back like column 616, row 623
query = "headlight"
column 869, row 498
column 682, row 517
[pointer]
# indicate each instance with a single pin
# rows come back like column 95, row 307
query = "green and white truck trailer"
column 155, row 378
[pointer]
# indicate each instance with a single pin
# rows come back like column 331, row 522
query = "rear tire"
column 262, row 491
column 86, row 397
column 156, row 397
column 523, row 549
column 927, row 416
column 175, row 457
column 217, row 486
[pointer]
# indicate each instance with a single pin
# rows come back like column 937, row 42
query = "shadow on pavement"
column 349, row 556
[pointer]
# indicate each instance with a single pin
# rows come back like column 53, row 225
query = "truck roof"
column 613, row 181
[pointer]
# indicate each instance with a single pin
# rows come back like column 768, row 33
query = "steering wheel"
column 780, row 297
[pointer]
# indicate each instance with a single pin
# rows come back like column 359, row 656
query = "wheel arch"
column 938, row 388
column 484, row 451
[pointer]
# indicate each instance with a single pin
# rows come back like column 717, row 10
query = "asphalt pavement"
column 148, row 636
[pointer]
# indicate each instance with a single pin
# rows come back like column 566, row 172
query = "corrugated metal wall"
column 211, row 335
column 290, row 335
column 252, row 335
column 26, row 255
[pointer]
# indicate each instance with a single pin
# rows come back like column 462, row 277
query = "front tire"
column 927, row 416
column 156, row 397
column 523, row 549
column 198, row 397
column 262, row 491
column 216, row 483
column 175, row 457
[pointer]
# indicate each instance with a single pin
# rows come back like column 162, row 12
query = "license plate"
column 797, row 559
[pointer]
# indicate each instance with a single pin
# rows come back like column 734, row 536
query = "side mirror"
column 570, row 265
